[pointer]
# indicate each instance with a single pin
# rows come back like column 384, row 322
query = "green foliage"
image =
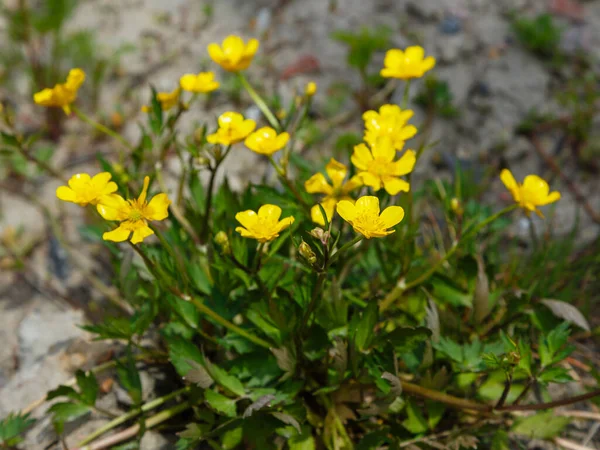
column 363, row 44
column 539, row 35
column 437, row 97
column 12, row 427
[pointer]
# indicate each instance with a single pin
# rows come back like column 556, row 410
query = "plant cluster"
column 341, row 305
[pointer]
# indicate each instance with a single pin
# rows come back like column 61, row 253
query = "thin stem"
column 312, row 305
column 505, row 391
column 343, row 248
column 406, row 94
column 553, row 404
column 101, row 128
column 224, row 322
column 288, row 183
column 41, row 164
column 209, row 195
column 442, row 397
column 260, row 102
column 532, row 233
column 402, row 287
column 130, row 432
column 131, row 414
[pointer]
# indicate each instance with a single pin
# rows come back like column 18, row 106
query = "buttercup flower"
column 532, row 193
column 365, row 218
column 406, row 64
column 264, row 226
column 133, row 214
column 266, row 141
column 61, row 95
column 377, row 166
column 233, row 55
column 311, row 89
column 85, row 190
column 167, row 100
column 317, row 184
column 232, row 128
column 390, row 121
column 201, row 83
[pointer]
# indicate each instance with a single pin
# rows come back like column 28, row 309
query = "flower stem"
column 406, row 94
column 209, row 196
column 288, row 183
column 402, row 287
column 222, row 321
column 101, row 128
column 131, row 414
column 260, row 103
column 343, row 248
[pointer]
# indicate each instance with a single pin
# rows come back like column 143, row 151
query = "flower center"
column 369, row 221
column 378, row 167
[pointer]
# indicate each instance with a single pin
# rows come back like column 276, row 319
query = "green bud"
column 307, row 253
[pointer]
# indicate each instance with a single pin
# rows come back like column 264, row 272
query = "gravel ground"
column 494, row 82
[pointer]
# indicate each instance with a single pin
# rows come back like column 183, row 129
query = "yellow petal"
column 316, row 215
column 247, row 218
column 509, row 181
column 119, row 234
column 100, row 180
column 414, row 53
column 368, row 204
column 394, row 185
column 361, row 157
column 113, row 207
column 317, row 184
column 79, row 181
column 383, row 149
column 271, row 212
column 284, row 223
column 391, row 216
column 353, row 183
column 282, row 140
column 551, row 198
column 142, row 197
column 139, row 234
column 428, row 64
column 393, row 57
column 406, row 163
column 407, row 132
column 370, row 180
column 251, row 47
column 245, row 233
column 336, row 171
column 188, row 82
column 215, row 52
column 536, row 185
column 158, row 207
column 66, row 194
column 346, row 210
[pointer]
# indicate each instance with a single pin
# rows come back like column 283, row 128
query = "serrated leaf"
column 567, row 312
column 555, row 375
column 287, row 419
column 88, row 387
column 63, row 391
column 415, row 423
column 220, row 403
column 285, row 359
column 258, row 404
column 12, row 426
column 543, row 425
column 221, row 377
column 181, row 352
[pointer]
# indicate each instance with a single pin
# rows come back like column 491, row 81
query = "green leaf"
column 500, row 441
column 364, row 332
column 198, row 375
column 220, row 403
column 63, row 391
column 406, row 339
column 452, row 349
column 12, row 426
column 88, row 387
column 415, row 423
column 232, row 438
column 65, row 412
column 130, row 378
column 543, row 425
column 111, row 328
column 181, row 352
column 555, row 375
column 229, row 382
column 303, row 441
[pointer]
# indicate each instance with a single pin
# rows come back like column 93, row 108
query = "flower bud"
column 199, row 135
column 456, row 206
column 311, row 89
column 307, row 253
column 222, row 241
column 116, row 119
column 318, row 233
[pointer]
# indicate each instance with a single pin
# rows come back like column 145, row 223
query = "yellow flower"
column 377, row 166
column 61, row 95
column 532, row 193
column 389, row 121
column 233, row 55
column 266, row 141
column 133, row 214
column 365, row 218
column 311, row 89
column 201, row 83
column 232, row 128
column 317, row 184
column 406, row 64
column 264, row 226
column 84, row 189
